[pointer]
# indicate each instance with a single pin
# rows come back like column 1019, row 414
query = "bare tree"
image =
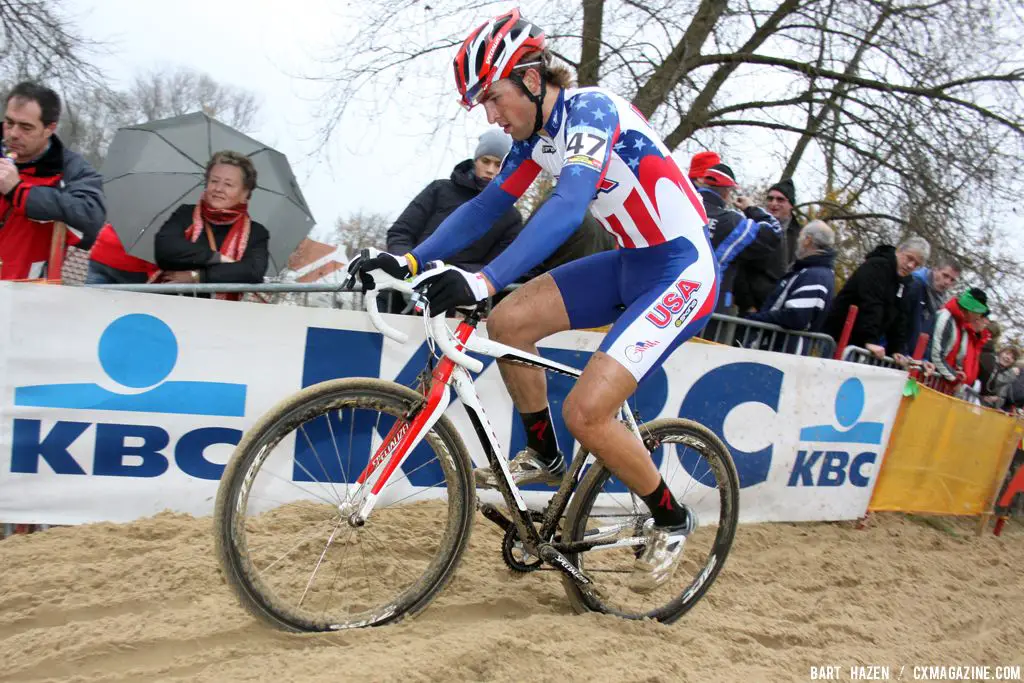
column 164, row 93
column 94, row 113
column 360, row 230
column 40, row 41
column 908, row 113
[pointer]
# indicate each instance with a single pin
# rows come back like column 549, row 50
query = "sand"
column 146, row 602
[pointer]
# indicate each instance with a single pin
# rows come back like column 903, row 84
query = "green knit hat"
column 974, row 300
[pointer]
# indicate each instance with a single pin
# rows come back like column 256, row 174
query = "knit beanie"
column 701, row 162
column 493, row 143
column 786, row 187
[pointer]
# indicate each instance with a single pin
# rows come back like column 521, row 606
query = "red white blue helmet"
column 490, row 53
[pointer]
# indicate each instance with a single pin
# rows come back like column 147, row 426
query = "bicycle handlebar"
column 438, row 328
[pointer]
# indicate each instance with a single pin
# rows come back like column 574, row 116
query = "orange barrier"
column 945, row 457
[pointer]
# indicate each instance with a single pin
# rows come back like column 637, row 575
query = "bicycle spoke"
column 406, row 475
column 327, row 478
column 292, row 483
column 416, row 493
column 312, row 577
column 295, row 547
column 344, row 472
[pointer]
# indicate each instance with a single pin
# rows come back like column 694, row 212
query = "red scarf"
column 234, row 244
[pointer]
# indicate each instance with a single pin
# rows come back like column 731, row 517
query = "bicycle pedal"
column 493, row 514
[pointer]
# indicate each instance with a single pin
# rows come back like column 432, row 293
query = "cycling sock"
column 540, row 434
column 663, row 506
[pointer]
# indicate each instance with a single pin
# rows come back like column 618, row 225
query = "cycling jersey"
column 605, row 156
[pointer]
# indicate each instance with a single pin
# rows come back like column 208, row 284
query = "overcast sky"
column 377, row 164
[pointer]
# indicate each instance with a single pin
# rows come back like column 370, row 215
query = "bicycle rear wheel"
column 282, row 517
column 698, row 469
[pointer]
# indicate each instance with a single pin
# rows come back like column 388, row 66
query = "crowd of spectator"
column 773, row 269
column 51, row 198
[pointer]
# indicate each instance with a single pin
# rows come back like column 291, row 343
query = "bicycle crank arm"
column 493, row 514
column 557, row 560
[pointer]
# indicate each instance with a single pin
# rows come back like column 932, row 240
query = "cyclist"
column 664, row 274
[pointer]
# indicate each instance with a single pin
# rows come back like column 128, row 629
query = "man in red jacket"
column 42, row 184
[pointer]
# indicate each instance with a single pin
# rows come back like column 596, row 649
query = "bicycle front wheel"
column 283, row 535
column 698, row 469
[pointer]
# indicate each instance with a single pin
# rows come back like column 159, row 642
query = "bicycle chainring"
column 512, row 551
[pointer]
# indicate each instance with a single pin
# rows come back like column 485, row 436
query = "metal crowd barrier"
column 753, row 334
column 856, row 354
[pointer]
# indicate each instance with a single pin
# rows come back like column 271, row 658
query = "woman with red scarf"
column 215, row 240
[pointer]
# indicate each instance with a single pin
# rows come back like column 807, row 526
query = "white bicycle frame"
column 455, row 348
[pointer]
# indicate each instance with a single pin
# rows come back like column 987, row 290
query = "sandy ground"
column 146, row 602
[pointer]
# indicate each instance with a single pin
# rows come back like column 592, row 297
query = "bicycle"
column 363, row 533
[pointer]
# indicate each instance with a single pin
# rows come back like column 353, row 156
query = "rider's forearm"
column 465, row 225
column 548, row 228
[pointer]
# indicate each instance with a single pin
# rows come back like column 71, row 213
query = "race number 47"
column 579, row 141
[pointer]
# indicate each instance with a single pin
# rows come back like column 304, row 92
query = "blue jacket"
column 920, row 311
column 737, row 238
column 802, row 299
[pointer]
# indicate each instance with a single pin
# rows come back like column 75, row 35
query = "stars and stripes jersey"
column 605, row 157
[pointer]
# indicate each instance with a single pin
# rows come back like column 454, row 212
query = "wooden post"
column 58, row 247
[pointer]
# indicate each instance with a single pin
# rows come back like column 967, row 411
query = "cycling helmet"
column 491, row 52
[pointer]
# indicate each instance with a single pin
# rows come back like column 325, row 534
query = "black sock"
column 540, row 434
column 664, row 508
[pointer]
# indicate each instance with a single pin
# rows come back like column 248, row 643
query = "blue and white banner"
column 116, row 405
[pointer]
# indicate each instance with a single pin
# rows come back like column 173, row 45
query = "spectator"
column 442, row 197
column 927, row 293
column 878, row 289
column 803, row 296
column 110, row 264
column 216, row 240
column 757, row 278
column 46, row 188
column 737, row 238
column 960, row 332
column 988, row 351
column 1013, row 394
column 996, row 392
column 699, row 165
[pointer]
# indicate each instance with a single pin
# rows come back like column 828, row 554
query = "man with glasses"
column 757, row 278
column 879, row 290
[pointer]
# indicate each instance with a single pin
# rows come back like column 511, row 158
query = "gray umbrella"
column 153, row 168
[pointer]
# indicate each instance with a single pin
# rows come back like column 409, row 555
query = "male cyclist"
column 664, row 274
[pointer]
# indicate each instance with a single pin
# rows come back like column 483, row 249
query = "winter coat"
column 59, row 186
column 757, row 279
column 439, row 199
column 1000, row 384
column 801, row 300
column 879, row 293
column 110, row 252
column 921, row 309
column 955, row 345
column 174, row 251
column 738, row 239
column 1013, row 393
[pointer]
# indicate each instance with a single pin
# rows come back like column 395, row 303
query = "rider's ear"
column 531, row 79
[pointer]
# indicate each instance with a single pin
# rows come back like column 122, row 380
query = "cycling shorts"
column 668, row 291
